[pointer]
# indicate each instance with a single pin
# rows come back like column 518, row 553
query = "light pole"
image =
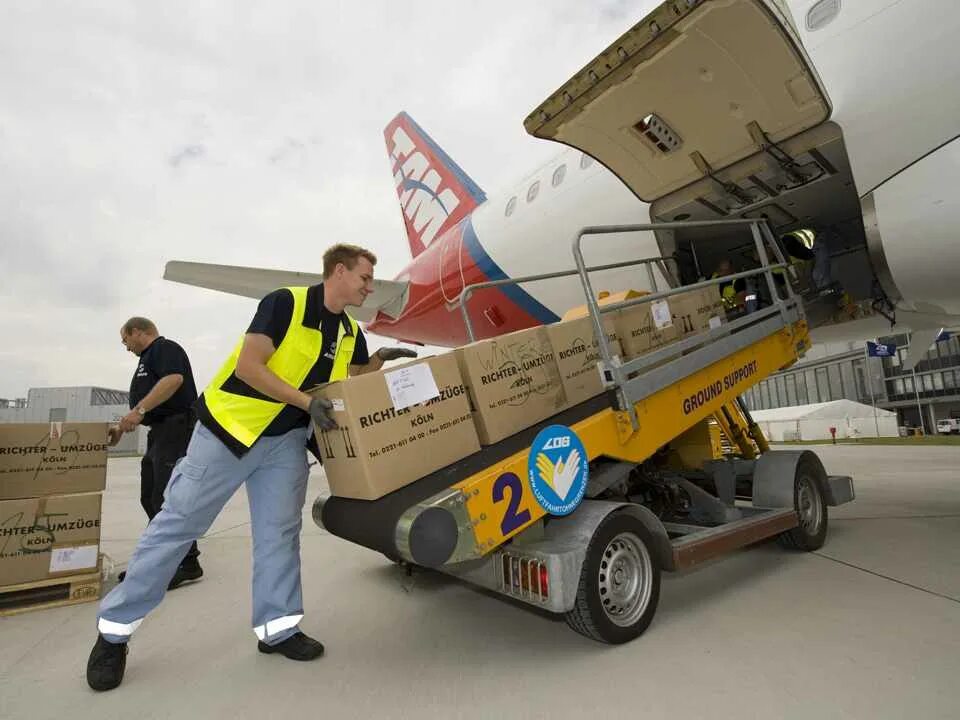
column 916, row 390
column 873, row 399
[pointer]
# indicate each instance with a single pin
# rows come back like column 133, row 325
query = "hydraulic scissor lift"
column 660, row 495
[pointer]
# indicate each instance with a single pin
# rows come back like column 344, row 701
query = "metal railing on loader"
column 467, row 292
column 640, row 377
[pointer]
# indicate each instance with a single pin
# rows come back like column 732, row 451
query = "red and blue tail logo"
column 435, row 194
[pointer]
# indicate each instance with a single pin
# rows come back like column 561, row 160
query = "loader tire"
column 809, row 501
column 619, row 584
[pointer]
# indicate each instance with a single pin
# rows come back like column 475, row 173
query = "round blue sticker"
column 558, row 468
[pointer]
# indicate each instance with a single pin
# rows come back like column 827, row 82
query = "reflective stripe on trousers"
column 106, row 627
column 275, row 474
column 272, row 627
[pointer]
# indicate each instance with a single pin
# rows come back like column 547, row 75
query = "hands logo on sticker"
column 558, row 469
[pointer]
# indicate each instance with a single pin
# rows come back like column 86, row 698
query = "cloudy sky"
column 133, row 133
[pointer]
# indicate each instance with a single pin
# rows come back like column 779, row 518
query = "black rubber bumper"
column 433, row 535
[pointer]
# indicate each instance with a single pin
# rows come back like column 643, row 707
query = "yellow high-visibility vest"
column 246, row 416
column 728, row 294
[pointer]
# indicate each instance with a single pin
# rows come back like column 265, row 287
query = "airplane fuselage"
column 891, row 72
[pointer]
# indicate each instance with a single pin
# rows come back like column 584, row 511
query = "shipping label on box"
column 58, row 458
column 395, row 426
column 577, row 351
column 514, row 382
column 48, row 537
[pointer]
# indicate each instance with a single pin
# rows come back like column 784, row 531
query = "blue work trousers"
column 275, row 472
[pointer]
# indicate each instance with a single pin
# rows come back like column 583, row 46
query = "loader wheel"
column 810, row 503
column 619, row 583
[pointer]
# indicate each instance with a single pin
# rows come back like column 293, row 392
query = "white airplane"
column 839, row 116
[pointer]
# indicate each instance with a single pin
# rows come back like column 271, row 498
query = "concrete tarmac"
column 868, row 627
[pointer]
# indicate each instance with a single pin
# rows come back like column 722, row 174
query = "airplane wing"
column 388, row 296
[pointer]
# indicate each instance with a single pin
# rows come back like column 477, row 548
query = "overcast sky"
column 133, row 133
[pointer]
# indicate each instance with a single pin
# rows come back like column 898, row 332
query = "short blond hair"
column 139, row 323
column 346, row 254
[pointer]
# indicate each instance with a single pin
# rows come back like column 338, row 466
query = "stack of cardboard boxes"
column 51, row 480
column 402, row 423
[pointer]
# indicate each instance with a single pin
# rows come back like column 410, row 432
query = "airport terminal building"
column 838, row 371
column 76, row 404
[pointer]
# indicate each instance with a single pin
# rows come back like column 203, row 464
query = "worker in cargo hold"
column 800, row 255
column 253, row 427
column 809, row 251
column 731, row 292
column 756, row 292
column 162, row 394
column 746, row 295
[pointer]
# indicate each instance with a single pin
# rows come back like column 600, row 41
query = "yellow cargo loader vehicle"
column 581, row 513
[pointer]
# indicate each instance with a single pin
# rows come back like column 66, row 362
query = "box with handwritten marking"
column 514, row 382
column 48, row 537
column 57, row 458
column 396, row 426
column 577, row 351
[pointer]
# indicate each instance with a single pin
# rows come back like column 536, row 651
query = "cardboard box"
column 514, row 382
column 577, row 351
column 646, row 327
column 605, row 298
column 396, row 426
column 59, row 458
column 696, row 311
column 48, row 537
column 709, row 312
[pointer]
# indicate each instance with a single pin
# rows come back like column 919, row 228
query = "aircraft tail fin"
column 435, row 193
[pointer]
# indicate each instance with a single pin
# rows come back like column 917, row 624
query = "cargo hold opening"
column 803, row 183
column 711, row 110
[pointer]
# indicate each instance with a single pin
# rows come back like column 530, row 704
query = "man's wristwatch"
column 141, row 410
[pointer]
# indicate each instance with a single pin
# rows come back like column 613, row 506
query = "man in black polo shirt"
column 162, row 393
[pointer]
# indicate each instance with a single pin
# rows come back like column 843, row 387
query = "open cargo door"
column 691, row 89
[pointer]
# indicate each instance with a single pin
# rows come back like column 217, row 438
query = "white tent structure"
column 813, row 422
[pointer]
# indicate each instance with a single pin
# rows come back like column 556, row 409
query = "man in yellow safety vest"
column 254, row 421
column 730, row 294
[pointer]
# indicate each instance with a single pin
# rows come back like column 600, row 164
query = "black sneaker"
column 185, row 573
column 106, row 664
column 295, row 647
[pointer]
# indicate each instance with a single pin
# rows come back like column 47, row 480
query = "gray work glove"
column 321, row 413
column 395, row 353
